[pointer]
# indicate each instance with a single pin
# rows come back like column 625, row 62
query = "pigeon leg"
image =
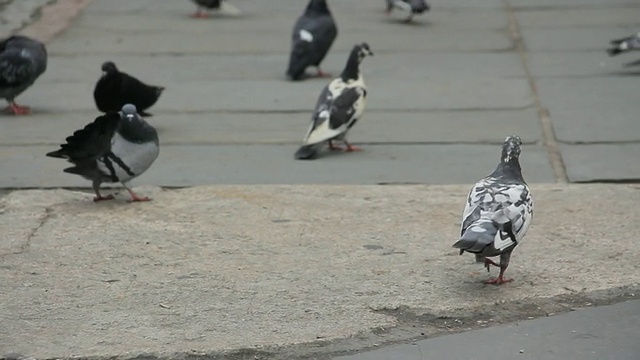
column 334, row 147
column 351, row 148
column 135, row 197
column 322, row 74
column 199, row 14
column 16, row 109
column 488, row 262
column 96, row 189
column 504, row 263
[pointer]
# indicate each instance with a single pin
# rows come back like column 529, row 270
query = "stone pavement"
column 444, row 92
column 322, row 269
column 290, row 271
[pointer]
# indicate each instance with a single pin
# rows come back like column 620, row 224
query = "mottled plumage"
column 498, row 211
column 116, row 89
column 116, row 147
column 627, row 44
column 313, row 35
column 339, row 107
column 22, row 61
column 410, row 7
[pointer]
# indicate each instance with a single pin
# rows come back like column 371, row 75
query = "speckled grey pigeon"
column 116, row 147
column 22, row 61
column 498, row 212
column 116, row 89
column 410, row 7
column 205, row 6
column 340, row 105
column 627, row 44
column 313, row 35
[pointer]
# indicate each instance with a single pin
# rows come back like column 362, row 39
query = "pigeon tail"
column 307, row 152
column 478, row 236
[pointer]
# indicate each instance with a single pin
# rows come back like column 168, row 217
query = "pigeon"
column 498, row 212
column 313, row 35
column 340, row 105
column 116, row 89
column 411, row 7
column 116, row 147
column 209, row 5
column 623, row 45
column 22, row 61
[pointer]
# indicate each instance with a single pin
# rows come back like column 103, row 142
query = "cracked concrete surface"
column 212, row 269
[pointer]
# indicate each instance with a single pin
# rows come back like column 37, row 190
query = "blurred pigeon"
column 22, row 61
column 313, row 35
column 623, row 45
column 116, row 89
column 339, row 106
column 498, row 212
column 116, row 147
column 209, row 5
column 411, row 7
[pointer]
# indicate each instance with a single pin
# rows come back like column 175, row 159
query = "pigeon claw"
column 16, row 109
column 102, row 198
column 137, row 198
column 322, row 74
column 351, row 148
column 498, row 281
column 488, row 263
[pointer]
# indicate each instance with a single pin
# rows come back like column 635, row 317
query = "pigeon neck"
column 317, row 7
column 509, row 169
column 352, row 70
column 137, row 131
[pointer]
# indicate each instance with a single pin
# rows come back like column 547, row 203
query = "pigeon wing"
column 90, row 142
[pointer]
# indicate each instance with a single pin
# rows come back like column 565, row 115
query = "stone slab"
column 592, row 109
column 607, row 332
column 573, row 39
column 188, row 165
column 185, row 128
column 602, row 162
column 579, row 17
column 592, row 64
column 214, row 269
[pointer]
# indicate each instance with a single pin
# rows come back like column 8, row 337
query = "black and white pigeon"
column 410, row 7
column 498, row 212
column 339, row 107
column 205, row 6
column 313, row 35
column 623, row 45
column 116, row 147
column 22, row 61
column 116, row 89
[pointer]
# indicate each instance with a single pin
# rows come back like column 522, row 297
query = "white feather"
column 306, row 36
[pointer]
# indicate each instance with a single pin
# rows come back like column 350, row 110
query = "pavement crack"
column 548, row 133
column 24, row 247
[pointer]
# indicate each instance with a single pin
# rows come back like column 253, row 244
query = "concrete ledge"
column 207, row 270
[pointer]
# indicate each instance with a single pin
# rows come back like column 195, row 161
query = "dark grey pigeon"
column 498, row 212
column 205, row 6
column 313, row 35
column 116, row 89
column 340, row 105
column 116, row 147
column 623, row 45
column 410, row 7
column 22, row 61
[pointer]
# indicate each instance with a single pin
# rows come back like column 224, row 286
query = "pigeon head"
column 317, row 7
column 129, row 111
column 109, row 67
column 419, row 6
column 363, row 51
column 511, row 148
